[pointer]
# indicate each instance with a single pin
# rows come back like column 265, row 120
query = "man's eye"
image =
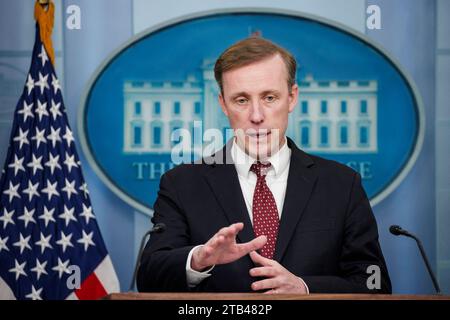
column 270, row 98
column 241, row 101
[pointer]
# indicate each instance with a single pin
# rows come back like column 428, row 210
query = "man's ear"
column 293, row 97
column 222, row 104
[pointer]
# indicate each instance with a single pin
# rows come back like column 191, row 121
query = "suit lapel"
column 300, row 184
column 224, row 183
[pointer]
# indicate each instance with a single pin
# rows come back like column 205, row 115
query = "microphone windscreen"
column 395, row 230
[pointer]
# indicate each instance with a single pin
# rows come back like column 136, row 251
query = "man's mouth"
column 259, row 135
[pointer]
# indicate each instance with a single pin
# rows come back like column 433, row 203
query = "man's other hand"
column 278, row 278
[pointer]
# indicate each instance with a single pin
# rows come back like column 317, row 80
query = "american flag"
column 50, row 243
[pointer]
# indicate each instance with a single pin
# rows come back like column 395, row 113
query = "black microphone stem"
column 427, row 263
column 138, row 260
column 157, row 228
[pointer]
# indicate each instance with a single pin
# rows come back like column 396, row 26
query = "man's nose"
column 256, row 113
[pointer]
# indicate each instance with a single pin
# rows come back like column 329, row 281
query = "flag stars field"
column 87, row 213
column 7, row 217
column 53, row 163
column 68, row 136
column 64, row 241
column 55, row 84
column 30, row 84
column 42, row 83
column 47, row 216
column 69, row 188
column 84, row 189
column 54, row 136
column 31, row 190
column 35, row 164
column 47, row 223
column 44, row 242
column 17, row 164
column 50, row 189
column 67, row 216
column 70, row 162
column 61, row 267
column 27, row 216
column 22, row 138
column 26, row 111
column 39, row 137
column 18, row 269
column 39, row 268
column 55, row 110
column 3, row 245
column 12, row 191
column 34, row 294
column 41, row 110
column 23, row 243
column 43, row 56
column 86, row 240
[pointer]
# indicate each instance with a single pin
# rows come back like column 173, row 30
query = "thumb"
column 260, row 242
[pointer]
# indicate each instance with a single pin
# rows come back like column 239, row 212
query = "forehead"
column 264, row 75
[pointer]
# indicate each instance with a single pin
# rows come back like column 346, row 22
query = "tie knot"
column 260, row 169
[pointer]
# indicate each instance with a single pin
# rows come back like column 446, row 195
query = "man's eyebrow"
column 266, row 92
column 239, row 94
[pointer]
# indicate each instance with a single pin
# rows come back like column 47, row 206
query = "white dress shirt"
column 276, row 180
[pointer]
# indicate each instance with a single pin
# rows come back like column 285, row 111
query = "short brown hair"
column 251, row 50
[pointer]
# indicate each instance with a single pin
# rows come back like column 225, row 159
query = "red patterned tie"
column 265, row 213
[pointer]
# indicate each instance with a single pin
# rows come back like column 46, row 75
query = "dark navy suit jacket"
column 327, row 236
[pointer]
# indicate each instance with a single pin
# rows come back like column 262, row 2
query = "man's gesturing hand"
column 279, row 279
column 222, row 248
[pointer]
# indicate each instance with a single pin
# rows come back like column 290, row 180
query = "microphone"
column 398, row 231
column 157, row 228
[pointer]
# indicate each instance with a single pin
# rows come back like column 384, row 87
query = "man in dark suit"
column 262, row 215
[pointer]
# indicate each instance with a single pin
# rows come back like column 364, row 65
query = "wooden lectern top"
column 260, row 296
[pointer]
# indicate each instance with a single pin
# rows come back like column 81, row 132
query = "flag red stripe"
column 91, row 288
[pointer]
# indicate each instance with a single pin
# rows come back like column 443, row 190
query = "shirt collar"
column 243, row 161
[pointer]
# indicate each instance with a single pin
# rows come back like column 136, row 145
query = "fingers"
column 231, row 231
column 233, row 228
column 238, row 226
column 259, row 259
column 225, row 234
column 265, row 284
column 224, row 241
column 268, row 272
column 226, row 237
